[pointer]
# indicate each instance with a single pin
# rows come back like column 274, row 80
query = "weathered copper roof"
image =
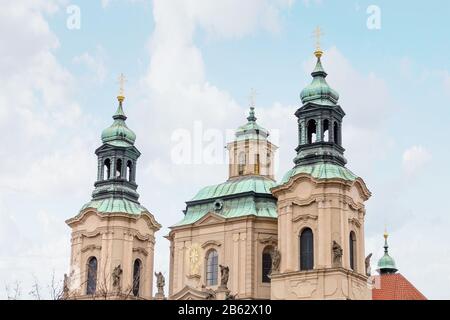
column 321, row 170
column 243, row 196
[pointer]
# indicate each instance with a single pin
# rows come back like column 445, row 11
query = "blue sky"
column 190, row 61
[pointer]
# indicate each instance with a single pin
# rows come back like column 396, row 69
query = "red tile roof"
column 395, row 287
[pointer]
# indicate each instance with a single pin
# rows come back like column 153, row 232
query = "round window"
column 218, row 205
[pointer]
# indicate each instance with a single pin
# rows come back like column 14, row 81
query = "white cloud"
column 180, row 94
column 414, row 159
column 235, row 18
column 176, row 94
column 105, row 3
column 50, row 165
column 43, row 159
column 94, row 63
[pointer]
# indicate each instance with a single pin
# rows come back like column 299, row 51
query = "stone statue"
column 224, row 275
column 116, row 275
column 367, row 262
column 65, row 293
column 276, row 259
column 230, row 296
column 337, row 255
column 160, row 283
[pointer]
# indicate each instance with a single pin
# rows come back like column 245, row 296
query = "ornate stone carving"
column 224, row 275
column 337, row 255
column 116, row 276
column 276, row 259
column 211, row 243
column 367, row 263
column 141, row 251
column 91, row 247
column 65, row 293
column 229, row 296
column 194, row 259
column 160, row 283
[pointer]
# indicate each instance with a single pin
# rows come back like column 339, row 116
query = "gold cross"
column 317, row 34
column 122, row 81
column 251, row 97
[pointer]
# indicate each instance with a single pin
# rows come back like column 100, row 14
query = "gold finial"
column 252, row 97
column 317, row 34
column 386, row 234
column 122, row 81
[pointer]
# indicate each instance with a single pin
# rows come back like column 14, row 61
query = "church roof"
column 256, row 184
column 238, row 197
column 251, row 130
column 118, row 134
column 321, row 170
column 395, row 287
column 116, row 193
column 319, row 92
column 115, row 205
column 386, row 264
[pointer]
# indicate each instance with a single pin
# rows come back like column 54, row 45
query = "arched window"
column 241, row 165
column 256, row 164
column 312, row 134
column 300, row 132
column 306, row 250
column 336, row 133
column 119, row 168
column 212, row 267
column 91, row 284
column 266, row 264
column 352, row 250
column 136, row 276
column 326, row 131
column 129, row 170
column 106, row 169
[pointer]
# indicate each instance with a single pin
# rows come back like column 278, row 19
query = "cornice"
column 150, row 219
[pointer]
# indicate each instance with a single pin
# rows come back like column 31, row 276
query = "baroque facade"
column 113, row 234
column 233, row 224
column 249, row 237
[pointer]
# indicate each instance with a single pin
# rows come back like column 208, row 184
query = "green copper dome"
column 254, row 184
column 320, row 170
column 319, row 91
column 118, row 133
column 386, row 264
column 244, row 196
column 251, row 130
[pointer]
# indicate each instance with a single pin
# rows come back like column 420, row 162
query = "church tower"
column 113, row 234
column 232, row 225
column 390, row 284
column 320, row 207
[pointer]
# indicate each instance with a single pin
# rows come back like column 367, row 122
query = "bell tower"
column 320, row 206
column 251, row 153
column 113, row 234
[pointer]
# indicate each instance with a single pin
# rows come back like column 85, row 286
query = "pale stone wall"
column 251, row 148
column 114, row 239
column 321, row 284
column 239, row 243
column 331, row 209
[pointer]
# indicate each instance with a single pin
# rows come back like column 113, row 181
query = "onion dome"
column 251, row 130
column 386, row 265
column 319, row 92
column 118, row 133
